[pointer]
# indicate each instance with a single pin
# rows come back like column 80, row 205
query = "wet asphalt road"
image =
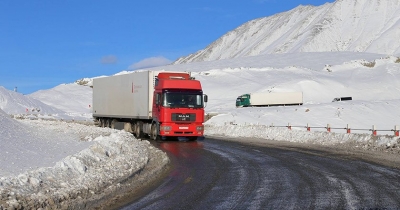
column 214, row 174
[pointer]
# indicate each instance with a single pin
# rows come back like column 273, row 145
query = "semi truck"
column 154, row 103
column 342, row 99
column 270, row 99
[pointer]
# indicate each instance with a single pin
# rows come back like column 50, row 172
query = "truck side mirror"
column 205, row 98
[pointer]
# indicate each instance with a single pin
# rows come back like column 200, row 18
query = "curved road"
column 215, row 174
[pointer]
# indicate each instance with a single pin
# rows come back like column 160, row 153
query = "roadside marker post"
column 374, row 130
column 328, row 128
column 348, row 129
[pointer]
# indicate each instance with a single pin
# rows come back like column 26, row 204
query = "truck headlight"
column 200, row 128
column 165, row 128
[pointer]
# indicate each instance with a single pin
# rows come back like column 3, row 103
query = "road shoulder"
column 386, row 156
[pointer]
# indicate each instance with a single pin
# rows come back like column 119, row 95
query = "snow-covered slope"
column 79, row 98
column 16, row 103
column 345, row 25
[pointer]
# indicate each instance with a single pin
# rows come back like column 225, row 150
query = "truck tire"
column 138, row 131
column 129, row 128
column 107, row 123
column 113, row 122
column 154, row 134
column 102, row 123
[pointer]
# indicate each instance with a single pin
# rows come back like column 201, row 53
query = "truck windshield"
column 183, row 99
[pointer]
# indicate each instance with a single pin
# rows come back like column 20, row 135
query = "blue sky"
column 44, row 43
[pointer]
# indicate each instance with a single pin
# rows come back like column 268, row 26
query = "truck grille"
column 183, row 117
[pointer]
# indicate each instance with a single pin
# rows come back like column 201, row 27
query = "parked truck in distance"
column 270, row 99
column 154, row 103
column 342, row 99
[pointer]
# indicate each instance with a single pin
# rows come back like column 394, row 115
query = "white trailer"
column 113, row 96
column 270, row 99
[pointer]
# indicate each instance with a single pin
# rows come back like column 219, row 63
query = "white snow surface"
column 41, row 144
column 16, row 103
column 45, row 155
column 58, row 164
column 79, row 103
column 344, row 25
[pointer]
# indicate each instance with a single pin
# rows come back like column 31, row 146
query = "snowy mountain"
column 79, row 98
column 345, row 25
column 16, row 103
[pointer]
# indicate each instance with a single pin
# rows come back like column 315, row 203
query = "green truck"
column 270, row 99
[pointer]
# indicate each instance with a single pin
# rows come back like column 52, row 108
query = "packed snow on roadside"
column 58, row 164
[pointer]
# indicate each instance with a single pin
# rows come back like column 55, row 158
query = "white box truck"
column 159, row 104
column 270, row 99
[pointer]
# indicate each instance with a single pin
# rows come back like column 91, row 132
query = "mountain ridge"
column 344, row 25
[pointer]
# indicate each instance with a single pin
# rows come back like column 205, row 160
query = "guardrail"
column 347, row 128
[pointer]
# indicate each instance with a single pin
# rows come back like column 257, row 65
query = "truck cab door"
column 156, row 104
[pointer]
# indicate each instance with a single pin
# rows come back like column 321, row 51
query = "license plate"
column 183, row 128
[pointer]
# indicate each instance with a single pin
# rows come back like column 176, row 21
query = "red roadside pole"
column 374, row 130
column 348, row 128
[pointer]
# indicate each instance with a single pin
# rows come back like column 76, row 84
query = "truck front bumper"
column 181, row 130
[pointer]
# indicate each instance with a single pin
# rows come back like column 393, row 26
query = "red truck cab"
column 178, row 107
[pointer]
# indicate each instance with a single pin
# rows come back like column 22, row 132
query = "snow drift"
column 105, row 160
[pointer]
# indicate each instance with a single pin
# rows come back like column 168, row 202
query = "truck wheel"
column 128, row 127
column 108, row 123
column 138, row 132
column 102, row 123
column 112, row 124
column 154, row 135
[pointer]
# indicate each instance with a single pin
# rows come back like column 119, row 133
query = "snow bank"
column 97, row 171
column 26, row 147
column 365, row 141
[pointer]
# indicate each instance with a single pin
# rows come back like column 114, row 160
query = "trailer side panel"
column 265, row 99
column 124, row 96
